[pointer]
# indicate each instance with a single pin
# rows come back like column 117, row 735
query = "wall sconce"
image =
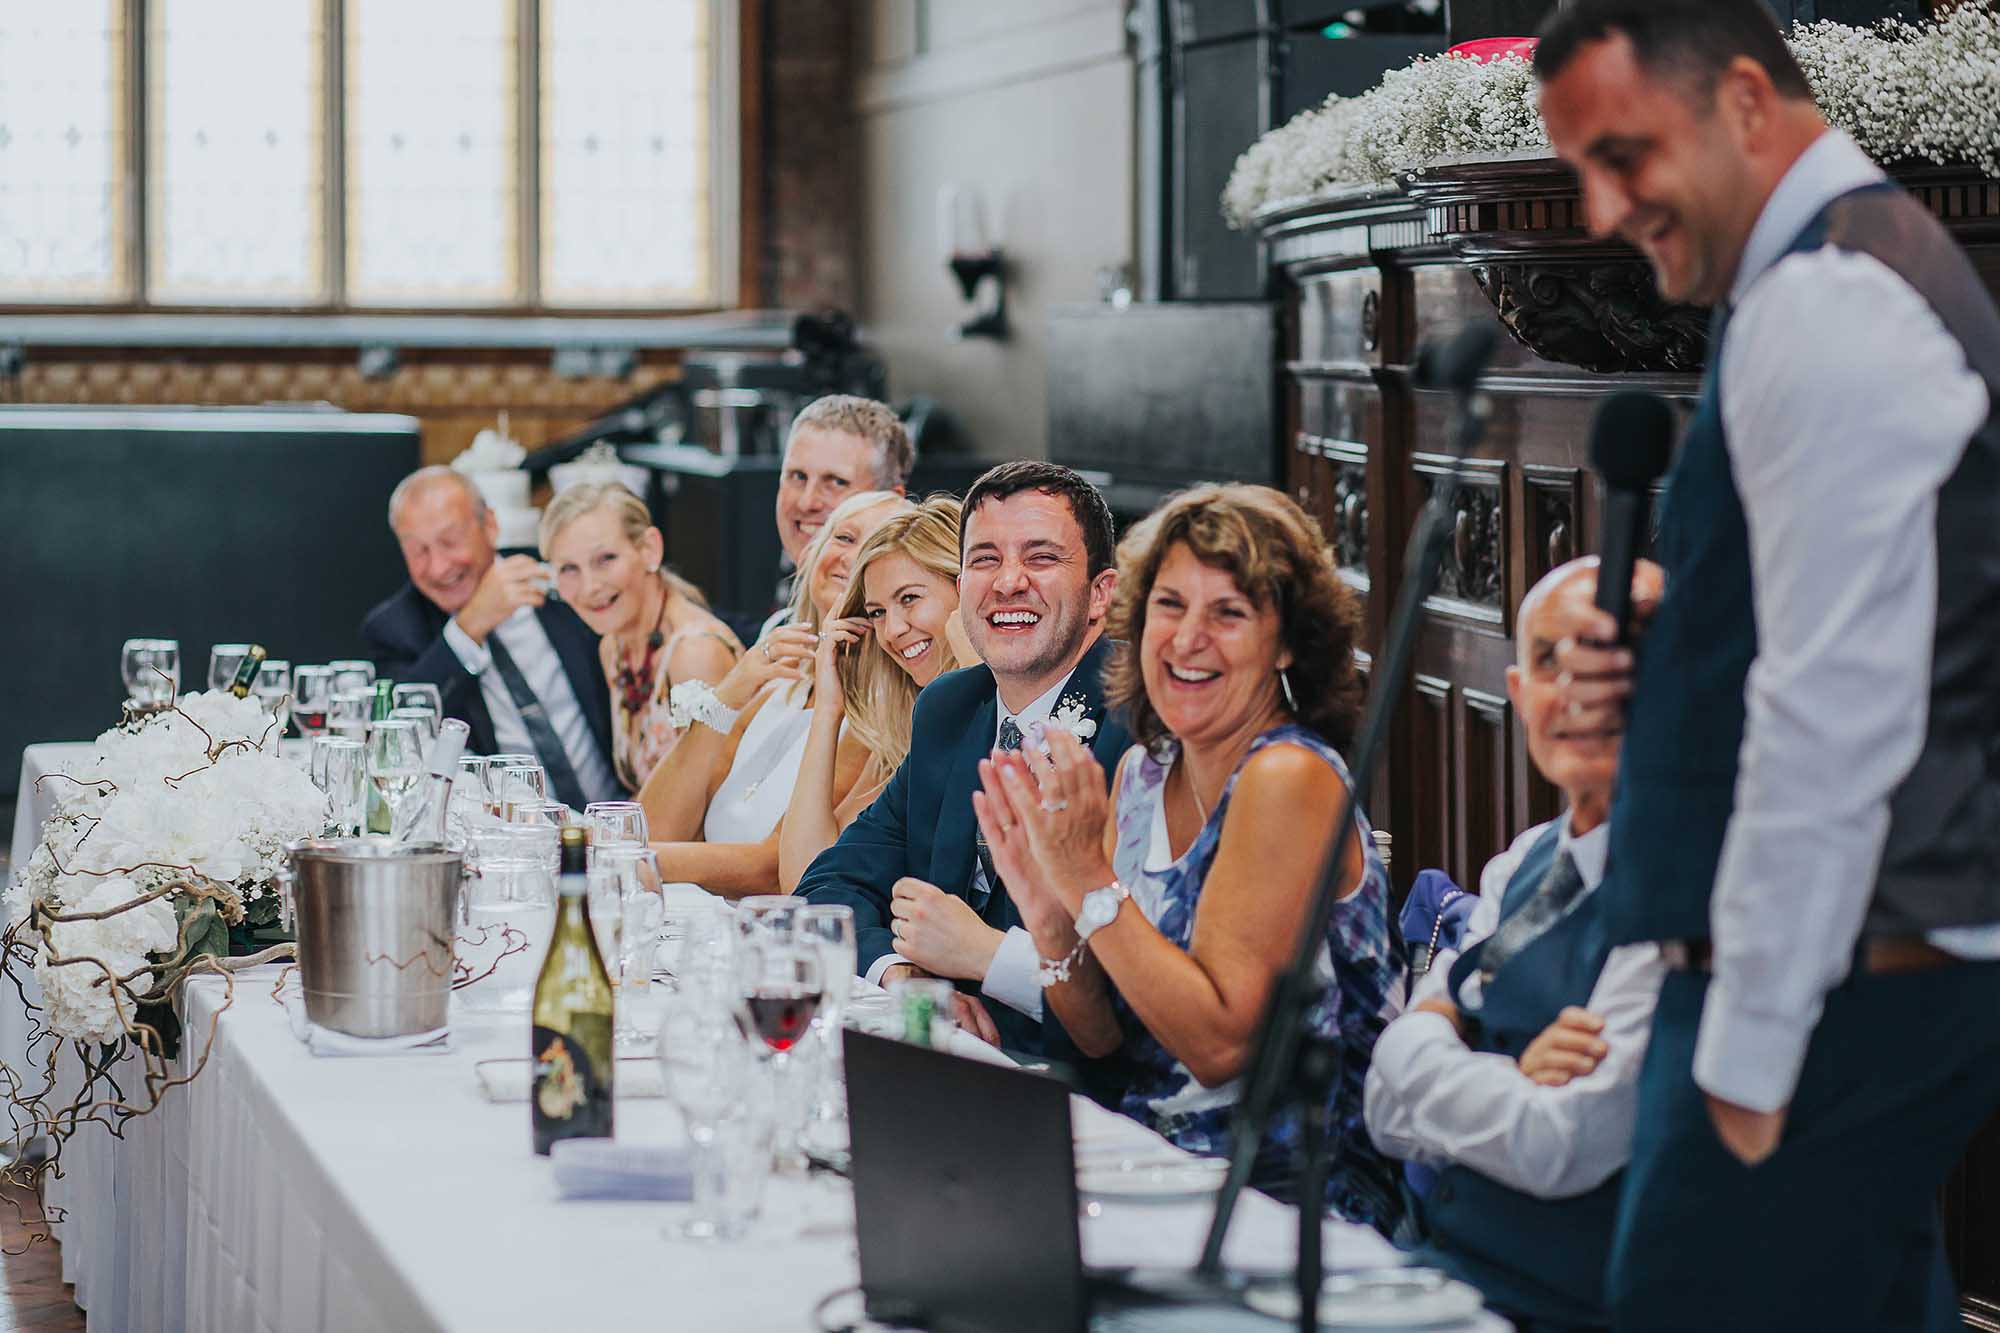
column 974, row 260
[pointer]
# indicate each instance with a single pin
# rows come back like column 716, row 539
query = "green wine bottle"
column 572, row 1017
column 380, row 818
column 246, row 671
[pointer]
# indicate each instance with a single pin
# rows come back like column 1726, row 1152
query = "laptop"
column 964, row 1192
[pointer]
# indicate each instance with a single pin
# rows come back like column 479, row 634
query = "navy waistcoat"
column 1539, row 1258
column 1684, row 727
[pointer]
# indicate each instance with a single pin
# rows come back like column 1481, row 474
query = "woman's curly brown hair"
column 1275, row 553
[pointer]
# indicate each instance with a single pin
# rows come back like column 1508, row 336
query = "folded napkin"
column 608, row 1169
column 325, row 1041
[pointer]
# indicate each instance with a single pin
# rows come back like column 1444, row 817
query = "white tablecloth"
column 289, row 1193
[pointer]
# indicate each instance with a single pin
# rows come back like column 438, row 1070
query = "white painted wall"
column 1031, row 102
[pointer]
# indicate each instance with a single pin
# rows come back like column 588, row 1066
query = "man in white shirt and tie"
column 519, row 668
column 1513, row 1073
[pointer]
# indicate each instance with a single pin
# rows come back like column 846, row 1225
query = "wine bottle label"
column 572, row 1088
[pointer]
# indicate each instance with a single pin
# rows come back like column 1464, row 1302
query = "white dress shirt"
column 1011, row 978
column 528, row 644
column 1430, row 1098
column 1846, row 405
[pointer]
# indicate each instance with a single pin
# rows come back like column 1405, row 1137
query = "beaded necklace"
column 635, row 688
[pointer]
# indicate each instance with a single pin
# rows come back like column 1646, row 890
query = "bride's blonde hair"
column 879, row 695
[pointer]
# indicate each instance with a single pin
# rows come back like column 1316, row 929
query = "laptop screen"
column 964, row 1192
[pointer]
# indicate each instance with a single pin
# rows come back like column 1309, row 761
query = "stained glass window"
column 62, row 151
column 628, row 129
column 236, row 164
column 432, row 153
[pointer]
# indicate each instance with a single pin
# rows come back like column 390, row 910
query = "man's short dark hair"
column 1086, row 503
column 1694, row 39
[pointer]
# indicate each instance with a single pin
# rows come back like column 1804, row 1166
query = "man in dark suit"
column 1036, row 581
column 519, row 669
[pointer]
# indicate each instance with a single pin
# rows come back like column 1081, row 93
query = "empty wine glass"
column 348, row 715
column 223, row 659
column 272, row 687
column 418, row 694
column 353, row 673
column 312, row 697
column 395, row 765
column 616, row 821
column 709, row 1073
column 152, row 672
column 346, row 784
column 518, row 784
column 830, row 930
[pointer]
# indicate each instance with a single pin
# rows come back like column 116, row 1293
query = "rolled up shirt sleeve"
column 1432, row 1100
column 1839, row 440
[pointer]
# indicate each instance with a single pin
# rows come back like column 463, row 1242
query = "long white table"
column 291, row 1193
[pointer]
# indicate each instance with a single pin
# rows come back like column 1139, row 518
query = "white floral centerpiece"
column 1905, row 91
column 172, row 831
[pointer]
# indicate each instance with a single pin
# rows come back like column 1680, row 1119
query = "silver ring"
column 767, row 652
column 1054, row 807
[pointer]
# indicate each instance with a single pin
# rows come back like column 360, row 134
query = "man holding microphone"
column 1807, row 815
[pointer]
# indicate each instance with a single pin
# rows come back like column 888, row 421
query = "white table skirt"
column 295, row 1194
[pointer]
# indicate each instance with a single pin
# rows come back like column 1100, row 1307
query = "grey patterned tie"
column 1548, row 904
column 985, row 879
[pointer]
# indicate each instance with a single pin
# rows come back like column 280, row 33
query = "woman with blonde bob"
column 655, row 626
column 895, row 631
column 714, row 806
column 1165, row 910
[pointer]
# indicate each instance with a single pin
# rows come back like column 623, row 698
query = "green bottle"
column 572, row 1017
column 380, row 818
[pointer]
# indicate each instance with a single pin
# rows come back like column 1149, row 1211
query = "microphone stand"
column 1292, row 1065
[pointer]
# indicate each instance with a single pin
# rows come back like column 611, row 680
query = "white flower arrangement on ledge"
column 1903, row 91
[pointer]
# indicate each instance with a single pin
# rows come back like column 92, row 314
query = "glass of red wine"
column 782, row 982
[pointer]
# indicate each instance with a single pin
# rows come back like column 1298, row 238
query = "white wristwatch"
column 1100, row 909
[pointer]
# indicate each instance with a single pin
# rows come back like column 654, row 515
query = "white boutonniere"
column 1072, row 714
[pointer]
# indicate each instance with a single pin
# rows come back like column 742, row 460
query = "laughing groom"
column 1036, row 580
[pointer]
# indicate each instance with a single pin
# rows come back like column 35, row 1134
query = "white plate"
column 1382, row 1298
column 1150, row 1178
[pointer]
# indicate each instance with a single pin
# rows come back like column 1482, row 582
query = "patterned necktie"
column 1550, row 902
column 548, row 747
column 985, row 879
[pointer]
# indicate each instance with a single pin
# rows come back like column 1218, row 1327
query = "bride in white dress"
column 714, row 803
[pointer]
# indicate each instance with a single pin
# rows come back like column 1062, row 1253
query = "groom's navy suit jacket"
column 922, row 824
column 405, row 636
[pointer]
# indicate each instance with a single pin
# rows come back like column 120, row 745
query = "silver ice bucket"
column 375, row 933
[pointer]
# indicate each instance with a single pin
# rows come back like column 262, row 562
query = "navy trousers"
column 1838, row 1228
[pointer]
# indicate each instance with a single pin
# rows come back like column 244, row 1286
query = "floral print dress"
column 1359, row 955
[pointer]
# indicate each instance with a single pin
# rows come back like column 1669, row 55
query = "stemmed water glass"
column 152, row 672
column 395, row 766
column 710, row 1074
column 517, row 784
column 272, row 687
column 830, row 930
column 223, row 659
column 353, row 673
column 418, row 694
column 312, row 697
column 425, row 718
column 625, row 911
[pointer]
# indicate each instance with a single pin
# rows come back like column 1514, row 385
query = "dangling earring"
column 1285, row 684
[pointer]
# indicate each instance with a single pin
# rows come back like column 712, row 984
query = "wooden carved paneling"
column 1606, row 316
column 1472, row 585
column 1346, row 516
column 1484, row 791
column 1427, row 841
column 1553, row 536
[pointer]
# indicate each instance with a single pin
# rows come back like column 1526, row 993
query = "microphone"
column 1457, row 364
column 1631, row 442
